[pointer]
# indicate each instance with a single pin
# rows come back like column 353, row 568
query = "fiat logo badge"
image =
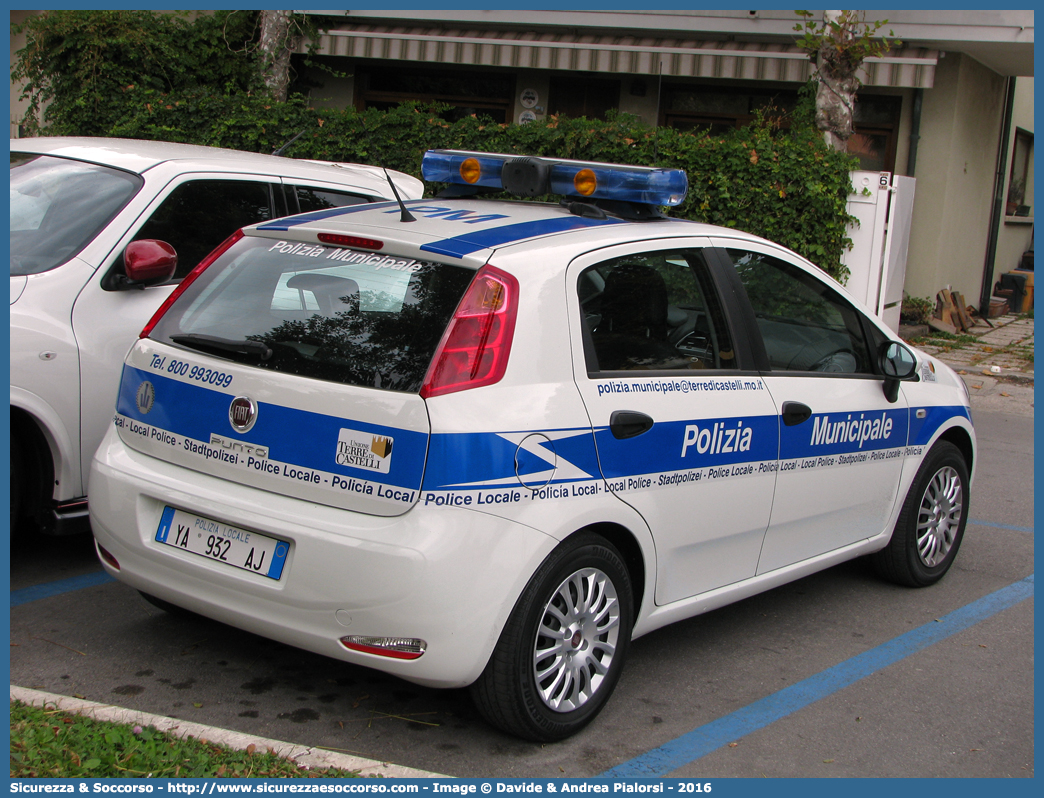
column 242, row 413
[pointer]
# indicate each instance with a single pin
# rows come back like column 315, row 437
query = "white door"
column 841, row 439
column 194, row 213
column 683, row 433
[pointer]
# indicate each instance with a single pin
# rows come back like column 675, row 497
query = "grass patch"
column 48, row 743
column 945, row 339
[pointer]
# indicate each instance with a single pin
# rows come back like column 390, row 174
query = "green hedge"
column 193, row 78
column 785, row 186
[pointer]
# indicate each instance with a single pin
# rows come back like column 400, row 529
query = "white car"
column 76, row 203
column 487, row 443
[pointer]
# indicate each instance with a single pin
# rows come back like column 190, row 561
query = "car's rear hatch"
column 295, row 367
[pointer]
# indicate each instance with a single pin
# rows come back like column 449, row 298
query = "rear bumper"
column 448, row 576
column 65, row 518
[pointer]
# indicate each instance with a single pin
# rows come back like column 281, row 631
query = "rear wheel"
column 931, row 524
column 563, row 647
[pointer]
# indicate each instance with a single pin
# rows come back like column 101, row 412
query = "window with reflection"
column 654, row 311
column 805, row 323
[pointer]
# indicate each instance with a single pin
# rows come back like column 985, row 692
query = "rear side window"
column 654, row 311
column 329, row 313
column 315, row 199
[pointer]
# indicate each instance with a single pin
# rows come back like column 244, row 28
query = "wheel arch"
column 61, row 442
column 38, row 450
column 630, row 549
column 960, row 438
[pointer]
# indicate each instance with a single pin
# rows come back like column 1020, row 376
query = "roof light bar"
column 530, row 176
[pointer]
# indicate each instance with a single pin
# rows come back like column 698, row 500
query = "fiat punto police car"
column 488, row 443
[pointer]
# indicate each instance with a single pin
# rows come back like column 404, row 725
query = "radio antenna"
column 283, row 149
column 405, row 216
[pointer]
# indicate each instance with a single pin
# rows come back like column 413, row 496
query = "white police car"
column 76, row 205
column 487, row 443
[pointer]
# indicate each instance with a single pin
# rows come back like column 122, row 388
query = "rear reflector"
column 394, row 647
column 106, row 556
column 474, row 349
column 189, row 278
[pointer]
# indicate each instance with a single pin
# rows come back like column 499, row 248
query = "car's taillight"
column 189, row 278
column 475, row 347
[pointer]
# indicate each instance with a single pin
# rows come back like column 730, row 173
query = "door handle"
column 628, row 423
column 795, row 413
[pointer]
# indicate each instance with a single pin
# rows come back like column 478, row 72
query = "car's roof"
column 140, row 156
column 459, row 228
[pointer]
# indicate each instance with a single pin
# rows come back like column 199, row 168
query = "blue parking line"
column 48, row 589
column 1001, row 526
column 707, row 738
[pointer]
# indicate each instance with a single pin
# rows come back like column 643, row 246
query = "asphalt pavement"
column 996, row 363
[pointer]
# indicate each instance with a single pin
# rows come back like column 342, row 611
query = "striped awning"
column 913, row 68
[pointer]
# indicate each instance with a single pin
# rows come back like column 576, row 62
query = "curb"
column 304, row 756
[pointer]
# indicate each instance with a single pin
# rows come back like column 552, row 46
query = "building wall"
column 955, row 170
column 18, row 106
column 1016, row 233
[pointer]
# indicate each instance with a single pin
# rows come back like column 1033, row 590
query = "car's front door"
column 194, row 213
column 685, row 432
column 841, row 440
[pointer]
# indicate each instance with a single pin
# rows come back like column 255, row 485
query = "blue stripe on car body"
column 455, row 461
column 923, row 430
column 297, row 437
column 474, row 240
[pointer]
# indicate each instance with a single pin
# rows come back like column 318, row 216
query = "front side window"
column 805, row 323
column 654, row 311
column 329, row 313
column 58, row 206
column 200, row 214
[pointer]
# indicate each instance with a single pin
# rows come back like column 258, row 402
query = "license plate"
column 221, row 543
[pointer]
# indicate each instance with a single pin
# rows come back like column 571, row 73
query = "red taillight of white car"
column 106, row 556
column 189, row 278
column 474, row 349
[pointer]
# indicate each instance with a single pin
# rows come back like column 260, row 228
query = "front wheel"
column 931, row 524
column 563, row 647
column 18, row 481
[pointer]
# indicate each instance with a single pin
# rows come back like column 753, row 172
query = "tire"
column 529, row 690
column 931, row 524
column 18, row 482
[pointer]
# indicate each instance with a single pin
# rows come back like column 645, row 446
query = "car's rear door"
column 685, row 432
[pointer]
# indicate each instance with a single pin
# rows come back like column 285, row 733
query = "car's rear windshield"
column 329, row 313
column 58, row 206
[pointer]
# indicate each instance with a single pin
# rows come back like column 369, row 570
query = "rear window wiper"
column 214, row 343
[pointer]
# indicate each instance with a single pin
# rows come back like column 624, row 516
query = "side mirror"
column 149, row 262
column 898, row 364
